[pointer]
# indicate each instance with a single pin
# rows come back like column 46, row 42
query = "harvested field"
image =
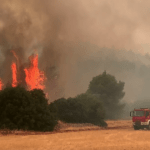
column 118, row 136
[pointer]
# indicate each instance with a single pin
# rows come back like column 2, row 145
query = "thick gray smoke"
column 69, row 36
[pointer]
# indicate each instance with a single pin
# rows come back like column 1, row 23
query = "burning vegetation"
column 33, row 77
column 1, row 84
column 14, row 74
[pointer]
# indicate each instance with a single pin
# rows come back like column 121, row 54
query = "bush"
column 82, row 109
column 26, row 110
column 93, row 109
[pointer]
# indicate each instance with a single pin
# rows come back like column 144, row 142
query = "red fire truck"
column 141, row 118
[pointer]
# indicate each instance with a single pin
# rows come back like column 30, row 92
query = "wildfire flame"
column 34, row 77
column 1, row 84
column 14, row 74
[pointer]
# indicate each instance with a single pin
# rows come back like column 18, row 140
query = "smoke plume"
column 69, row 36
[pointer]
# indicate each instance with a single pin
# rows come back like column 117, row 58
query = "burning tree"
column 1, row 84
column 33, row 77
column 14, row 74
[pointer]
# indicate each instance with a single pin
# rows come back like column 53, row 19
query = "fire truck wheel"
column 136, row 128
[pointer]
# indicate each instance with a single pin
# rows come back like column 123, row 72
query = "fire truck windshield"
column 138, row 113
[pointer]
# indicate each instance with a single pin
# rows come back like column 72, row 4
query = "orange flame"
column 1, row 84
column 14, row 71
column 14, row 74
column 34, row 77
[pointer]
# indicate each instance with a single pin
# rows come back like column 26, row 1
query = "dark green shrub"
column 27, row 110
column 84, row 108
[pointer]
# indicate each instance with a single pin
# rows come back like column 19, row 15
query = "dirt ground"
column 118, row 136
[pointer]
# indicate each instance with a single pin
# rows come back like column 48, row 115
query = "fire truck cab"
column 141, row 118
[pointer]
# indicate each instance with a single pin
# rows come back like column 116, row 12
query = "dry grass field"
column 118, row 136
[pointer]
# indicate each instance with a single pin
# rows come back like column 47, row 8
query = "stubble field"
column 118, row 136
